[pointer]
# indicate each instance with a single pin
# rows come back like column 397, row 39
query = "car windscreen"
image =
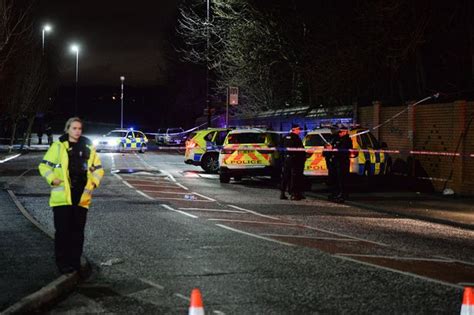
column 317, row 140
column 246, row 137
column 119, row 134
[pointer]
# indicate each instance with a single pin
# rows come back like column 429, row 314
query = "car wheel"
column 238, row 178
column 142, row 149
column 210, row 163
column 223, row 178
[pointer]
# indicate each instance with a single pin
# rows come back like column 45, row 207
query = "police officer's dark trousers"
column 341, row 169
column 292, row 178
column 69, row 223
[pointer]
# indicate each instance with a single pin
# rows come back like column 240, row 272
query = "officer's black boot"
column 283, row 196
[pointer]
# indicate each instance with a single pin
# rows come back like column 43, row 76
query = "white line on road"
column 182, row 186
column 168, row 174
column 144, row 195
column 155, row 285
column 182, row 297
column 205, row 197
column 181, row 199
column 253, row 235
column 343, row 235
column 166, row 192
column 126, row 183
column 9, row 158
column 182, row 212
column 395, row 257
column 215, row 210
column 255, row 213
column 252, row 222
column 400, row 272
column 312, row 237
column 155, row 185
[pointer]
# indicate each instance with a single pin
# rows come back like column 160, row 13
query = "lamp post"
column 122, row 79
column 208, row 103
column 46, row 29
column 75, row 49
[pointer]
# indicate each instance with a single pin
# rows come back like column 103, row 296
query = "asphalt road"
column 171, row 228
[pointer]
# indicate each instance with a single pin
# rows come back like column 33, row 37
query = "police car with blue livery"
column 122, row 140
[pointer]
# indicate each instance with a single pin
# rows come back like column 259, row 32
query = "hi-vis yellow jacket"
column 55, row 165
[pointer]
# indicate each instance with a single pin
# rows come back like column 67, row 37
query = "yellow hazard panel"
column 315, row 165
column 244, row 156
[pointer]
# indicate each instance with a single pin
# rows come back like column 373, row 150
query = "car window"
column 221, row 135
column 274, row 139
column 119, row 134
column 364, row 141
column 129, row 134
column 246, row 137
column 318, row 140
column 375, row 143
column 210, row 136
column 139, row 134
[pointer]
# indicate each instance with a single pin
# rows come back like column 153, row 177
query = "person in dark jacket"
column 293, row 165
column 328, row 155
column 342, row 145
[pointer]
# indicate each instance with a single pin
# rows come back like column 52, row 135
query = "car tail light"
column 308, row 155
column 227, row 151
column 353, row 154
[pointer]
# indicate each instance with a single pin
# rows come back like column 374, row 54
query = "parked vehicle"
column 169, row 136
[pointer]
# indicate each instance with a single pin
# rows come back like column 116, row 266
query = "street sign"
column 233, row 95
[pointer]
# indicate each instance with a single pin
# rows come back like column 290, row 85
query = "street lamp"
column 46, row 29
column 208, row 103
column 122, row 78
column 75, row 49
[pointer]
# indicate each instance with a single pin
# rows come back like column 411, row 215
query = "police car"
column 366, row 157
column 122, row 140
column 249, row 152
column 202, row 148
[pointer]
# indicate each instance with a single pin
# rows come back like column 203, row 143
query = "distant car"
column 122, row 140
column 170, row 136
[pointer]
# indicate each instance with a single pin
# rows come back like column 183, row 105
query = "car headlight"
column 95, row 142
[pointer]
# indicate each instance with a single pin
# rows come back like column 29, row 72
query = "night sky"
column 117, row 38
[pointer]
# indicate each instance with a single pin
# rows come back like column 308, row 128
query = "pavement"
column 29, row 280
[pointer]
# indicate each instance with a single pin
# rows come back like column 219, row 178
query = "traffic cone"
column 196, row 307
column 467, row 307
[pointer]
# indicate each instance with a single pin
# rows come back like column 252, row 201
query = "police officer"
column 341, row 146
column 293, row 165
column 73, row 170
column 328, row 154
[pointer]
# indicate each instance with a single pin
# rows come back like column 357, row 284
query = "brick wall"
column 433, row 128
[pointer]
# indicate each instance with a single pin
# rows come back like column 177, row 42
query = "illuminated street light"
column 75, row 49
column 122, row 78
column 46, row 29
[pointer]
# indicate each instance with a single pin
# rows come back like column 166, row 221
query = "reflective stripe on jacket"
column 55, row 165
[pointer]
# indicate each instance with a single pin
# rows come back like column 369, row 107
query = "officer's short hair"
column 70, row 121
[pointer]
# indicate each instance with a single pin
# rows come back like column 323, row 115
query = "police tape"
column 318, row 150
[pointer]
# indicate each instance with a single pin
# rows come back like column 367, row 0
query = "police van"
column 122, row 140
column 366, row 157
column 250, row 152
column 202, row 148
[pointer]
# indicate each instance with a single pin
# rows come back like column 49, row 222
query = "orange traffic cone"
column 467, row 307
column 196, row 307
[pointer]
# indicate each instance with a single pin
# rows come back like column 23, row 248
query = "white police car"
column 122, row 140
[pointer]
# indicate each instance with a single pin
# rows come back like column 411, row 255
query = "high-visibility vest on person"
column 55, row 165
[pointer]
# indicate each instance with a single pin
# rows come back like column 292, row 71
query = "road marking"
column 9, row 158
column 343, row 235
column 125, row 182
column 205, row 197
column 144, row 195
column 466, row 284
column 182, row 186
column 168, row 174
column 154, row 185
column 256, row 213
column 253, row 222
column 395, row 257
column 166, row 192
column 400, row 272
column 216, row 210
column 182, row 297
column 312, row 237
column 182, row 212
column 254, row 235
column 181, row 199
column 155, row 285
